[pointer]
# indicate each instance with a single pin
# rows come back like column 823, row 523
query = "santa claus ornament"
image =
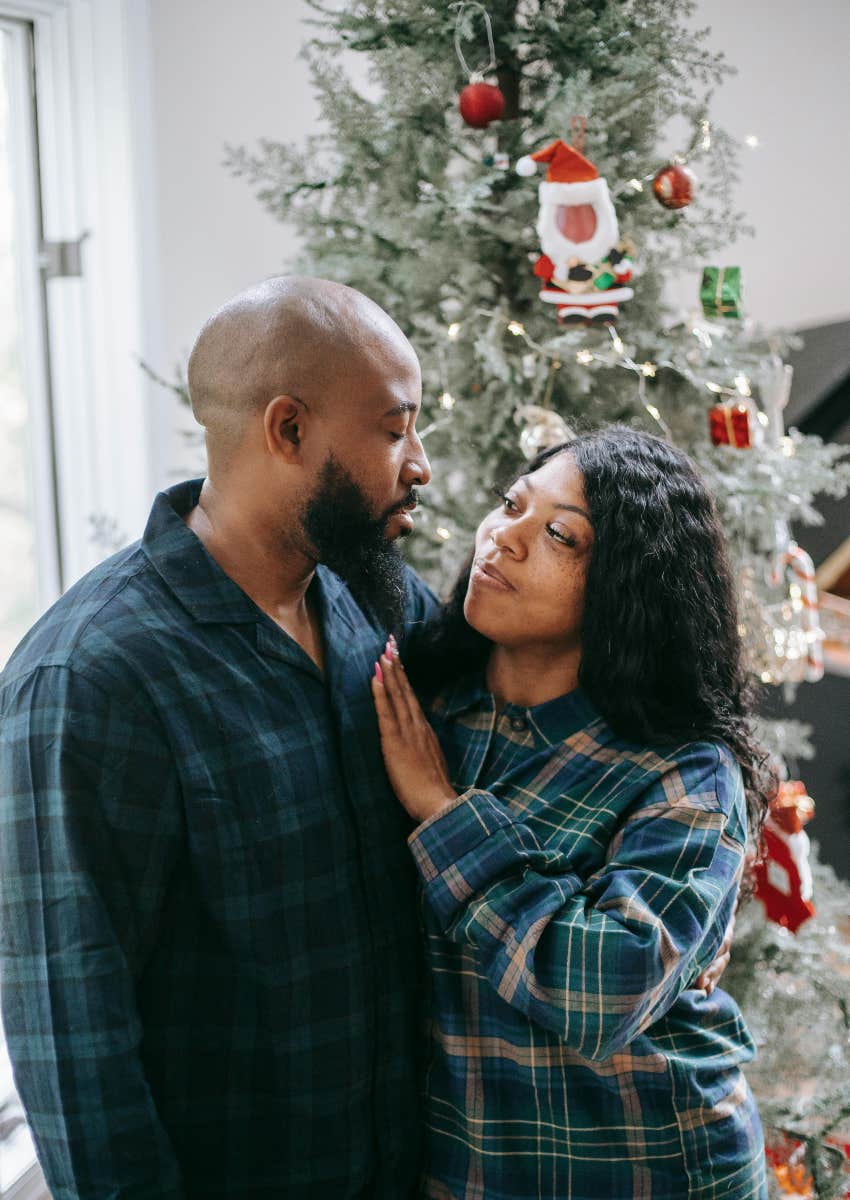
column 783, row 877
column 584, row 266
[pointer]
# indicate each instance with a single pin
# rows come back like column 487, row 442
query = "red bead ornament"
column 481, row 103
column 674, row 186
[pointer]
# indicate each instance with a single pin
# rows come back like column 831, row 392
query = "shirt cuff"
column 456, row 830
column 465, row 848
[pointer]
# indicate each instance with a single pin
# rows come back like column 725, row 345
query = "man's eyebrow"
column 526, row 482
column 406, row 406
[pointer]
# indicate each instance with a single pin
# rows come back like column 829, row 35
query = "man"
column 208, row 936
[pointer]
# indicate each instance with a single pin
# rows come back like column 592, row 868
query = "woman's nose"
column 509, row 539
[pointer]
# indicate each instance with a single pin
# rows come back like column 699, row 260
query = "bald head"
column 290, row 335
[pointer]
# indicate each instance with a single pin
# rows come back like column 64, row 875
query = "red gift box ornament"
column 783, row 876
column 729, row 425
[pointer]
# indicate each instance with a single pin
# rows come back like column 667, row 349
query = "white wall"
column 225, row 72
column 792, row 91
column 221, row 73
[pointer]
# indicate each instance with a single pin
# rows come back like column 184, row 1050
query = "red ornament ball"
column 481, row 103
column 674, row 185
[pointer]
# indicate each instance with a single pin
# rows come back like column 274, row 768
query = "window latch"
column 62, row 260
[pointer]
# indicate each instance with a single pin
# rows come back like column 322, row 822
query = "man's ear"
column 284, row 423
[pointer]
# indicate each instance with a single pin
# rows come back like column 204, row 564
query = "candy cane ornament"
column 795, row 560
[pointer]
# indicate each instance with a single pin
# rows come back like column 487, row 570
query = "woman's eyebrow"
column 523, row 479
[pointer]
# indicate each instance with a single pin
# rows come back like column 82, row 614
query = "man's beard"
column 354, row 544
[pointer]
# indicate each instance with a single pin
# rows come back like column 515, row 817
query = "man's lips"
column 485, row 572
column 403, row 514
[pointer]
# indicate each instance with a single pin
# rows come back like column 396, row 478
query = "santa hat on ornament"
column 570, row 177
column 566, row 164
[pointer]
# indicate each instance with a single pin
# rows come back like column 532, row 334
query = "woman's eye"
column 566, row 539
column 398, row 437
column 508, row 502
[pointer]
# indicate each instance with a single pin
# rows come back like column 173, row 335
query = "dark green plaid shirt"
column 207, row 918
column 572, row 897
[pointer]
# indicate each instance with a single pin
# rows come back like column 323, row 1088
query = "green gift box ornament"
column 720, row 291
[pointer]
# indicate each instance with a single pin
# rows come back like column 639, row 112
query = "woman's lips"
column 485, row 573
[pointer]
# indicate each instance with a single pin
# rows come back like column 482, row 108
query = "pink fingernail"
column 390, row 650
column 379, row 674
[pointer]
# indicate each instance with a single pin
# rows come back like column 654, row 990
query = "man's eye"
column 398, row 437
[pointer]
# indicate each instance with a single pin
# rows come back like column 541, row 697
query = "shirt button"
column 519, row 724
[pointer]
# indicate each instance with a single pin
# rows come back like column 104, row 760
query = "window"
column 30, row 566
column 80, row 448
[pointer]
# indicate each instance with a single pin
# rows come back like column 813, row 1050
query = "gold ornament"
column 542, row 428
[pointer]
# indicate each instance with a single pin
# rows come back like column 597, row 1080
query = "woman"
column 582, row 827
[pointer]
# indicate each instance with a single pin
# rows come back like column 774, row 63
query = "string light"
column 715, row 387
column 763, row 418
column 649, row 370
column 706, row 135
column 442, row 533
column 743, row 385
column 636, row 185
column 787, row 447
column 617, row 340
column 550, row 382
column 447, row 400
column 653, row 411
column 752, row 141
column 584, row 357
column 453, row 331
column 516, row 328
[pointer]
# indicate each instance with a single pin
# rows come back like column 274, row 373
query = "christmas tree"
column 417, row 192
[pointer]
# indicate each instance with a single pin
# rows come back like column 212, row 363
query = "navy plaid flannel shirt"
column 210, row 962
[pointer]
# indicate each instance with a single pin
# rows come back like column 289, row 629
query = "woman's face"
column 531, row 556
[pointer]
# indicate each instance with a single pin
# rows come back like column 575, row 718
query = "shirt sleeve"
column 90, row 827
column 594, row 960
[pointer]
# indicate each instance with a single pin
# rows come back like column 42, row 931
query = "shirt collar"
column 192, row 574
column 551, row 722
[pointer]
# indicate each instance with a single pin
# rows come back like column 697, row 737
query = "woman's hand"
column 710, row 977
column 412, row 754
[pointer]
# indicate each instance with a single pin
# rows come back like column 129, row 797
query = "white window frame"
column 109, row 426
column 92, row 70
column 31, row 330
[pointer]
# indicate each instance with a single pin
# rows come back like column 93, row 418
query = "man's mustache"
column 412, row 497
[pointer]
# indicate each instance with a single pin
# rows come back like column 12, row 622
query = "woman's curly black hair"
column 661, row 647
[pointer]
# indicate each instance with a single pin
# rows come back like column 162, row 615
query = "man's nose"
column 417, row 469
